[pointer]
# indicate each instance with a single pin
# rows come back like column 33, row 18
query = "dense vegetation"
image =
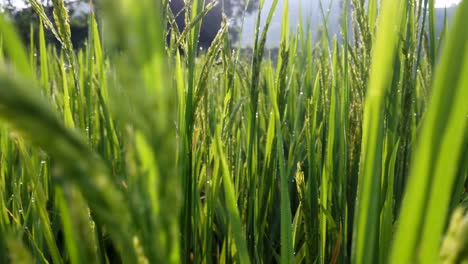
column 140, row 148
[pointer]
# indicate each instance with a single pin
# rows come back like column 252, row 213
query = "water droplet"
column 33, row 199
column 35, row 54
column 20, row 211
column 43, row 161
column 256, row 115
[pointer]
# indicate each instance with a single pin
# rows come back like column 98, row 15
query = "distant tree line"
column 211, row 23
column 25, row 18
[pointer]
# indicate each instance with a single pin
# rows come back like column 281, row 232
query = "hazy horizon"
column 438, row 3
column 310, row 12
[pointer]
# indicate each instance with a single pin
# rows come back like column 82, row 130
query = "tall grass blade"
column 365, row 235
column 432, row 174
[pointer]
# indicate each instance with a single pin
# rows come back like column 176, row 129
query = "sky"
column 438, row 3
column 443, row 3
column 309, row 9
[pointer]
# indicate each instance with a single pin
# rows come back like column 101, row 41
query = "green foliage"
column 140, row 148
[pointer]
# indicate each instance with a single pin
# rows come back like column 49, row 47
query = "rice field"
column 140, row 148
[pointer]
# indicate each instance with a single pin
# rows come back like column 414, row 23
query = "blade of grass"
column 231, row 203
column 432, row 174
column 367, row 214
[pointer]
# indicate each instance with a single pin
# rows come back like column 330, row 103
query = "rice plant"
column 142, row 148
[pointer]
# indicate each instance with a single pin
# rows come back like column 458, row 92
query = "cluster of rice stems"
column 140, row 148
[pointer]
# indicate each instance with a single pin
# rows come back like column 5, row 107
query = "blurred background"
column 241, row 18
